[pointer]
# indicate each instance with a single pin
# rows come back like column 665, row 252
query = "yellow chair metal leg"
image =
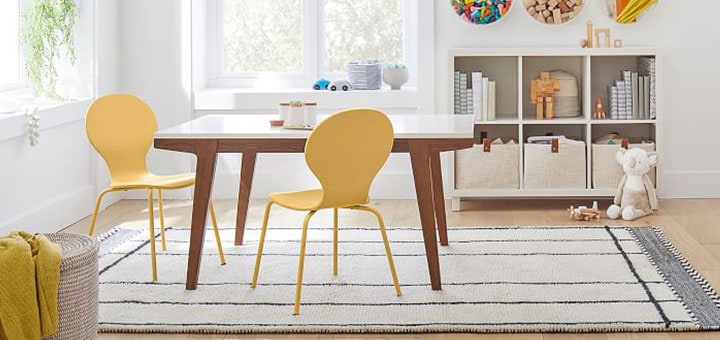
column 217, row 234
column 97, row 208
column 151, row 219
column 162, row 219
column 301, row 262
column 387, row 244
column 261, row 244
column 335, row 241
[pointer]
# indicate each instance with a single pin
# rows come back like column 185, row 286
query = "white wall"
column 685, row 37
column 46, row 188
column 154, row 65
column 154, row 60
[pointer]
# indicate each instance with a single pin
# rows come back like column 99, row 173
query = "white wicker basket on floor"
column 606, row 172
column 495, row 169
column 565, row 169
column 78, row 289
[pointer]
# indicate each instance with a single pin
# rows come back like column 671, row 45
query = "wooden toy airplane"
column 583, row 213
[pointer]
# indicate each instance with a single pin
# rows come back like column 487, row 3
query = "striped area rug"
column 499, row 279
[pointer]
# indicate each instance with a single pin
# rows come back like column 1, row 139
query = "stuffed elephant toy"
column 635, row 196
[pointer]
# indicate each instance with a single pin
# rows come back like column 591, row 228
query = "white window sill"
column 268, row 99
column 52, row 114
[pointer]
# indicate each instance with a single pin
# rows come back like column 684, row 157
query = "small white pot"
column 395, row 77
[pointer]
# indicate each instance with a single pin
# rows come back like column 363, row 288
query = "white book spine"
column 646, row 80
column 470, row 101
column 635, row 89
column 485, row 87
column 456, row 92
column 613, row 99
column 491, row 100
column 477, row 95
column 622, row 101
column 463, row 93
column 641, row 97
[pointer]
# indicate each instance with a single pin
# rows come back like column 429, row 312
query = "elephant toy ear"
column 619, row 155
column 652, row 158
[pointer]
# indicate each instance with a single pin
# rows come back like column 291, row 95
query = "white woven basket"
column 496, row 169
column 78, row 289
column 565, row 169
column 606, row 172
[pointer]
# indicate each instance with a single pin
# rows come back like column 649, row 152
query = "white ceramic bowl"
column 395, row 77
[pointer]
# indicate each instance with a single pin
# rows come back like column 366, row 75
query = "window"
column 10, row 61
column 257, row 43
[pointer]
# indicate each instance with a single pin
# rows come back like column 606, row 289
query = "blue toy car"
column 321, row 84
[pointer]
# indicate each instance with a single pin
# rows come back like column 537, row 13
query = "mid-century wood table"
column 422, row 136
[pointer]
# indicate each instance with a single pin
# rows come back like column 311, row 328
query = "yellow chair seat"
column 298, row 200
column 149, row 180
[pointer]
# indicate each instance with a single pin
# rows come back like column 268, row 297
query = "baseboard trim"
column 55, row 214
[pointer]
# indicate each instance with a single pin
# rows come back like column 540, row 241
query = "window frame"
column 22, row 82
column 313, row 50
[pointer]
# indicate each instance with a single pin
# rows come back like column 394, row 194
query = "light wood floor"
column 693, row 225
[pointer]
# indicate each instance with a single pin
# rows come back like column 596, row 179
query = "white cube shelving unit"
column 513, row 68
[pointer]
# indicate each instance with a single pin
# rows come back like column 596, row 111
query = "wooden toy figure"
column 542, row 93
column 598, row 111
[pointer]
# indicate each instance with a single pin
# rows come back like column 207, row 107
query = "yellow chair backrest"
column 346, row 151
column 121, row 128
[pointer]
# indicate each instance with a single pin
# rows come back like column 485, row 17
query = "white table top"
column 258, row 126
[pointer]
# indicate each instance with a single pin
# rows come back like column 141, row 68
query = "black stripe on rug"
column 344, row 284
column 383, row 304
column 631, row 266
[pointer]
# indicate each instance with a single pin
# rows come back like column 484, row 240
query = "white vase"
column 395, row 77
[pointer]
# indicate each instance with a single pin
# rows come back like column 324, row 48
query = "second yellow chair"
column 345, row 152
column 121, row 128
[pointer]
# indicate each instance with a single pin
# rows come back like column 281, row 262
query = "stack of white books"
column 633, row 97
column 477, row 99
column 365, row 75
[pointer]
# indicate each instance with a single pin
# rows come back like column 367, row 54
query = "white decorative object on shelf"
column 33, row 125
column 594, row 72
column 395, row 75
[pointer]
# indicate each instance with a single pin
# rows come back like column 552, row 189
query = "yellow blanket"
column 29, row 279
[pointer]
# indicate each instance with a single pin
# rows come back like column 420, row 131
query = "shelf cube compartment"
column 571, row 66
column 503, row 70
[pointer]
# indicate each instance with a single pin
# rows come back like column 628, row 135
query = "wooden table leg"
column 246, row 177
column 420, row 159
column 438, row 196
column 206, row 152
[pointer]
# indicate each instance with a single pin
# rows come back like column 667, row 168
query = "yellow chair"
column 345, row 152
column 121, row 128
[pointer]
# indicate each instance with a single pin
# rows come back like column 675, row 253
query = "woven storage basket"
column 565, row 169
column 78, row 289
column 606, row 172
column 496, row 169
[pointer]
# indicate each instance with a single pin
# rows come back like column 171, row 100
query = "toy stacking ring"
column 481, row 12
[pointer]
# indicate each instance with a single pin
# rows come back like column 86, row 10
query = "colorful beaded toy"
column 481, row 12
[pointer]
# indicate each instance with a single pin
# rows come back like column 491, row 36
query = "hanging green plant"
column 48, row 36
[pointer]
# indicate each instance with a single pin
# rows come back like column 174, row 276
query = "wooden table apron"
column 424, row 158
